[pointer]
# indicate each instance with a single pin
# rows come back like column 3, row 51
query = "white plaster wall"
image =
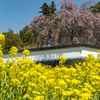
column 55, row 54
column 86, row 51
column 69, row 53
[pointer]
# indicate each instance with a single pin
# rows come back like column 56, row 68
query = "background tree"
column 96, row 8
column 26, row 35
column 52, row 8
column 12, row 39
column 70, row 25
column 45, row 9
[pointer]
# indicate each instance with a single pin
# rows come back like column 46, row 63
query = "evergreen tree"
column 96, row 8
column 45, row 9
column 52, row 8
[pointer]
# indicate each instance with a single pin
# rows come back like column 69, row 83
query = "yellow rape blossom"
column 27, row 80
column 39, row 98
column 27, row 96
column 13, row 51
column 62, row 60
column 26, row 52
column 2, row 41
column 1, row 53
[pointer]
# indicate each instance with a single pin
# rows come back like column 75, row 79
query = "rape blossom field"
column 23, row 79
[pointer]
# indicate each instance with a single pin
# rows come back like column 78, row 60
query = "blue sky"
column 15, row 14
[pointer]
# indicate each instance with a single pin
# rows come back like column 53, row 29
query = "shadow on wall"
column 53, row 63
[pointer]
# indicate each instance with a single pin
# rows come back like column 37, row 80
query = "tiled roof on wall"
column 59, row 47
